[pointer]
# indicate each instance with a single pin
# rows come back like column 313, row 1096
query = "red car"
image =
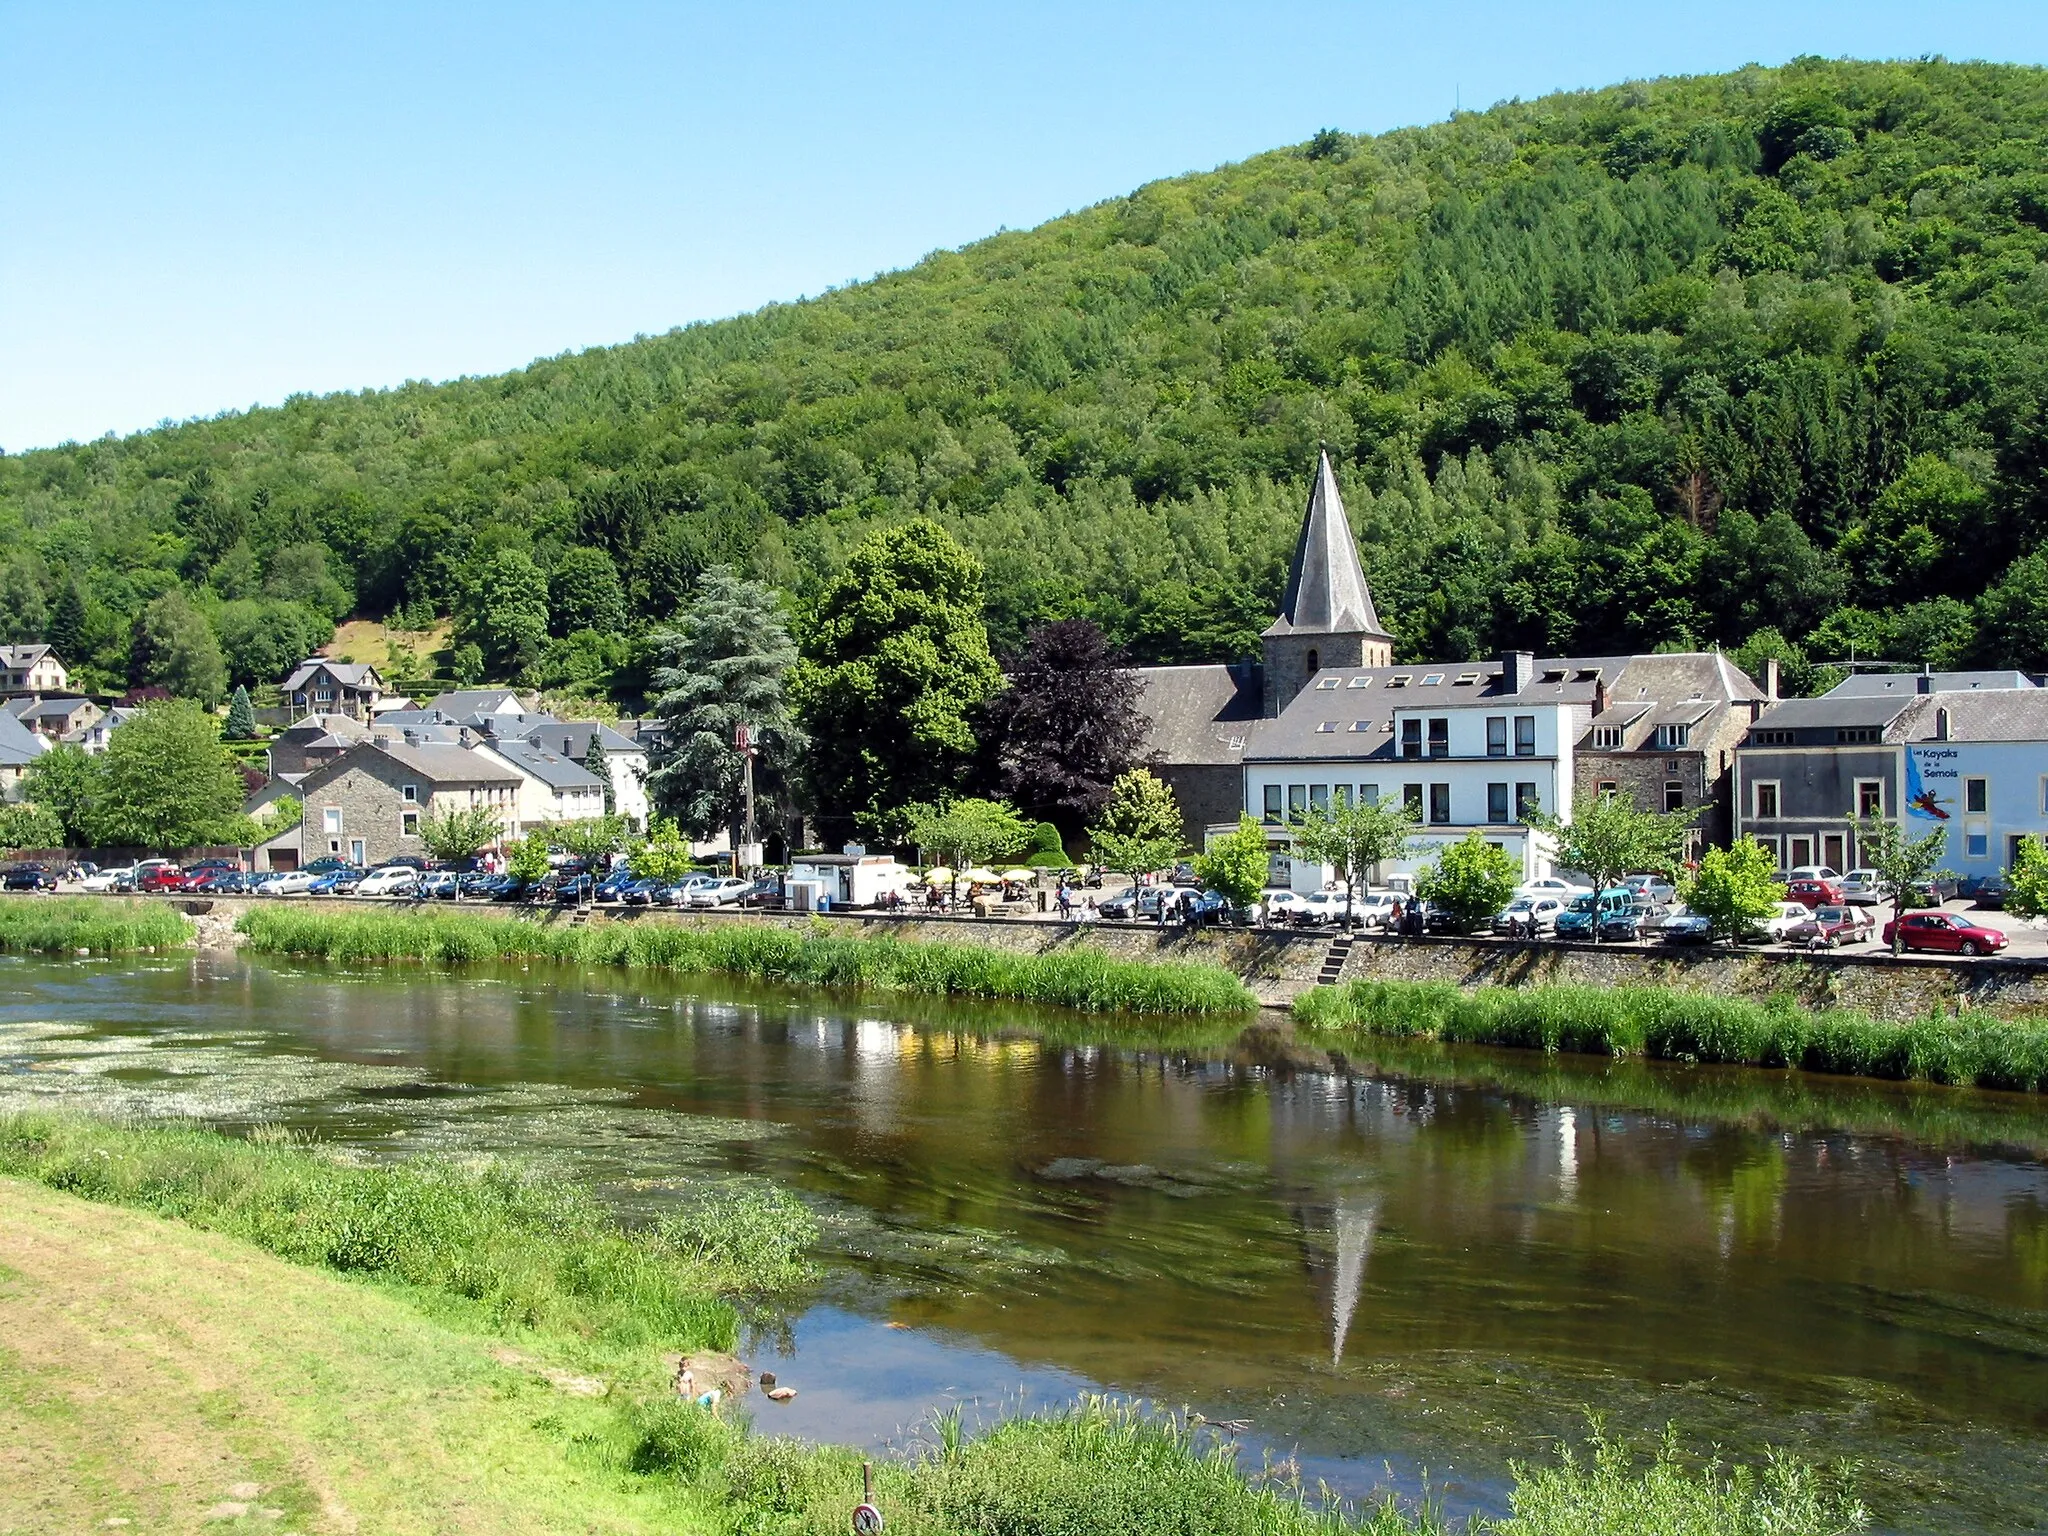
column 1815, row 893
column 1945, row 933
column 164, row 877
column 1834, row 926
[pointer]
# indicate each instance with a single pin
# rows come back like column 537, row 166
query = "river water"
column 1397, row 1272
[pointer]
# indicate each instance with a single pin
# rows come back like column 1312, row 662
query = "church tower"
column 1327, row 617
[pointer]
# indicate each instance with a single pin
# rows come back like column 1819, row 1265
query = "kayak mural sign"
column 1931, row 775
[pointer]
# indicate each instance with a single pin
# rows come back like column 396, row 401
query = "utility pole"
column 743, row 743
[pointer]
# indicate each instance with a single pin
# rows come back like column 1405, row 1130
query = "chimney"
column 1771, row 678
column 1517, row 670
column 1941, row 723
column 1602, row 697
column 1924, row 683
column 462, row 736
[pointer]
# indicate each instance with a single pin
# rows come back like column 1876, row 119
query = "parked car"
column 1652, row 890
column 678, row 893
column 1989, row 894
column 1682, row 925
column 1280, row 906
column 1814, row 893
column 293, row 882
column 1135, row 902
column 119, row 879
column 1375, row 909
column 1532, row 914
column 1937, row 890
column 389, row 880
column 1781, row 924
column 339, row 882
column 1945, row 933
column 221, row 882
column 1554, row 885
column 327, row 864
column 1624, row 925
column 438, row 885
column 728, row 892
column 1811, row 872
column 641, row 892
column 1861, row 887
column 411, row 861
column 1325, row 908
column 766, row 891
column 1184, row 874
column 1835, row 926
column 612, row 888
column 28, row 877
column 162, row 879
column 1581, row 913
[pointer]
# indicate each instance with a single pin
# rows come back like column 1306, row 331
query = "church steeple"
column 1327, row 618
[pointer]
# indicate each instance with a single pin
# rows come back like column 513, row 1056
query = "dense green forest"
column 1672, row 363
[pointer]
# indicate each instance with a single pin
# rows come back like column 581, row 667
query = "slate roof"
column 1893, row 684
column 437, row 765
column 19, row 746
column 1326, row 588
column 23, row 656
column 359, row 675
column 474, row 701
column 47, row 708
column 569, row 737
column 2008, row 714
column 1680, row 688
column 550, row 768
column 1198, row 715
column 1830, row 713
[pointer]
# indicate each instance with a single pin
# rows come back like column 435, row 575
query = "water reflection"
column 1429, row 1258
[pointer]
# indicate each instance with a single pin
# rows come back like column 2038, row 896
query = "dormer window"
column 1608, row 738
column 1360, row 682
column 1400, row 679
column 1432, row 679
column 1329, row 682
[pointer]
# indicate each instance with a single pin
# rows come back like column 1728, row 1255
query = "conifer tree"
column 241, row 724
column 67, row 625
column 726, row 665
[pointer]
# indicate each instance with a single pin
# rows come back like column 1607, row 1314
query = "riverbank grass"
column 1079, row 978
column 1663, row 1024
column 174, row 1374
column 64, row 925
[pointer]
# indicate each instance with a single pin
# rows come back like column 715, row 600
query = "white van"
column 392, row 880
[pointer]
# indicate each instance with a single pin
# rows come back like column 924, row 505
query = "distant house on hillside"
column 464, row 702
column 318, row 686
column 57, row 718
column 19, row 746
column 31, row 669
column 312, row 742
column 367, row 804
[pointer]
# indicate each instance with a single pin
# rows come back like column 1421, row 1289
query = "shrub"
column 62, row 925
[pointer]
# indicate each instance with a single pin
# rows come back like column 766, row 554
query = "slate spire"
column 1326, row 590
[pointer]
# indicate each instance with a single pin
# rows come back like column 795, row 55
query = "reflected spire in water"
column 1356, row 1218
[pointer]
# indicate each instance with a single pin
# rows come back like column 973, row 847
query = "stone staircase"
column 1333, row 960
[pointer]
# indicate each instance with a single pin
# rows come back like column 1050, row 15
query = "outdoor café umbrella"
column 938, row 876
column 981, row 877
column 1019, row 873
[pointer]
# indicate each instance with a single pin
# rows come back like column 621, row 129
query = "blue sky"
column 212, row 206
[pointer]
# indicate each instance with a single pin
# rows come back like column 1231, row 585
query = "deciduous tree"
column 1235, row 866
column 1608, row 837
column 1141, row 826
column 1734, row 887
column 1904, row 864
column 1471, row 879
column 459, row 832
column 895, row 662
column 166, row 782
column 1066, row 724
column 1354, row 837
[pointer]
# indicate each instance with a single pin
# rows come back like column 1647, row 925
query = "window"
column 1439, row 805
column 1850, row 735
column 1671, row 737
column 1411, row 796
column 1368, row 794
column 1272, row 809
column 409, row 824
column 1315, row 663
column 1319, row 797
column 1411, row 738
column 1608, row 738
column 1607, row 789
column 1526, row 800
column 1497, row 802
column 1329, row 682
column 1359, row 682
column 412, row 794
column 1361, row 725
column 1525, row 735
column 1297, row 800
column 1341, row 793
column 1869, row 797
column 1432, row 680
column 1674, row 795
column 1439, row 738
column 1976, row 796
column 330, row 820
column 1976, row 843
column 1496, row 735
column 1400, row 679
column 1770, row 738
column 1764, row 799
column 1328, row 727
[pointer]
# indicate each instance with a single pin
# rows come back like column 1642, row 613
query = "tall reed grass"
column 532, row 1253
column 62, row 925
column 1662, row 1024
column 1079, row 978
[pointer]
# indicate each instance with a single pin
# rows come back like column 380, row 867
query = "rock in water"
column 781, row 1394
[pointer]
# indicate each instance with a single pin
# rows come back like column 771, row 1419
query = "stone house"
column 319, row 686
column 56, row 717
column 367, row 804
column 313, row 741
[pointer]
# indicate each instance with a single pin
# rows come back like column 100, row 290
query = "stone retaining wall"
column 1278, row 965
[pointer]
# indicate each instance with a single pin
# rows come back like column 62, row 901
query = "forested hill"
column 1673, row 362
